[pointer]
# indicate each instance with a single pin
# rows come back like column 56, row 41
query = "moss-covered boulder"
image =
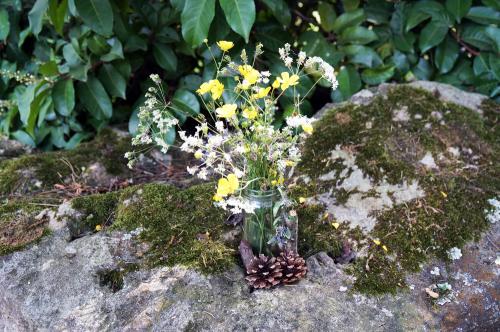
column 400, row 177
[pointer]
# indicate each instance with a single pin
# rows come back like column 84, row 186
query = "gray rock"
column 10, row 148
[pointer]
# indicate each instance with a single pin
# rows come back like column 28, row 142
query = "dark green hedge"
column 90, row 59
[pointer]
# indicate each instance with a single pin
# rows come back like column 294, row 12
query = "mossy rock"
column 402, row 141
column 36, row 172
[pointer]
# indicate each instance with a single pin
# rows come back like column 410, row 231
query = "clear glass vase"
column 272, row 227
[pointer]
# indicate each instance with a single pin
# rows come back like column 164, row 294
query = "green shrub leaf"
column 4, row 24
column 165, row 57
column 358, row 35
column 35, row 16
column 433, row 34
column 458, row 8
column 349, row 81
column 97, row 14
column 327, row 15
column 484, row 15
column 196, row 18
column 57, row 13
column 374, row 76
column 186, row 101
column 362, row 55
column 240, row 15
column 113, row 81
column 446, row 55
column 95, row 99
column 63, row 95
column 280, row 10
column 348, row 20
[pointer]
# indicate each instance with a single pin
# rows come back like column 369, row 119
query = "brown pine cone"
column 293, row 267
column 263, row 272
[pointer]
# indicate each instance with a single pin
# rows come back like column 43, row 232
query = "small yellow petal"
column 377, row 242
column 98, row 228
column 444, row 194
column 336, row 225
column 308, row 128
column 198, row 154
column 302, row 200
column 384, row 247
column 225, row 45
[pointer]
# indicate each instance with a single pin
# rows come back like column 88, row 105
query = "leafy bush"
column 70, row 67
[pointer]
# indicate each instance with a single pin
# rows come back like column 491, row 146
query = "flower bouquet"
column 238, row 142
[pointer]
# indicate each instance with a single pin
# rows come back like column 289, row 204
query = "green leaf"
column 446, row 55
column 378, row 11
column 476, row 35
column 348, row 20
column 57, row 13
column 363, row 55
column 116, row 51
column 95, row 99
column 327, row 15
column 63, row 95
column 49, row 69
column 4, row 24
column 186, row 102
column 423, row 70
column 24, row 138
column 422, row 10
column 358, row 35
column 350, row 5
column 76, row 139
column 483, row 15
column 433, row 34
column 240, row 15
column 280, row 10
column 196, row 18
column 495, row 66
column 98, row 45
column 165, row 57
column 481, row 63
column 24, row 102
column 349, row 81
column 375, row 76
column 135, row 43
column 492, row 3
column 458, row 8
column 35, row 16
column 493, row 34
column 113, row 81
column 97, row 14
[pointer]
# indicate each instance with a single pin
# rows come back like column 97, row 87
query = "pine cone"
column 263, row 272
column 294, row 267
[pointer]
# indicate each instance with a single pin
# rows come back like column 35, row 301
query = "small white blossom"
column 454, row 253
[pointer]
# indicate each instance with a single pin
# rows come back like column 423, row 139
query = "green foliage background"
column 91, row 58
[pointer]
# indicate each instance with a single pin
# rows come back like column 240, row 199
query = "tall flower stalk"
column 237, row 140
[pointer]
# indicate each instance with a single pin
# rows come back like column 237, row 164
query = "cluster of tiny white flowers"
column 285, row 55
column 454, row 253
column 325, row 68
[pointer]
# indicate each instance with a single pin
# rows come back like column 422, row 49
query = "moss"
column 452, row 212
column 98, row 209
column 172, row 220
column 52, row 167
column 18, row 227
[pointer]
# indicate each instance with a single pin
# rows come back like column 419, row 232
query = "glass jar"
column 272, row 227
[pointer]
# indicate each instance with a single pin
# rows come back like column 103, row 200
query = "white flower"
column 192, row 170
column 155, row 78
column 219, row 125
column 435, row 271
column 454, row 253
column 494, row 215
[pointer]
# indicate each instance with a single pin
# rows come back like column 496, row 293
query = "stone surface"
column 69, row 281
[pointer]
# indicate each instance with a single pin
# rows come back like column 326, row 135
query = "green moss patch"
column 51, row 168
column 451, row 213
column 181, row 225
column 19, row 225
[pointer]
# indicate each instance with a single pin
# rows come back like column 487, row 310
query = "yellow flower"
column 225, row 45
column 302, row 200
column 250, row 113
column 263, row 92
column 98, row 228
column 226, row 111
column 308, row 128
column 281, row 180
column 444, row 194
column 198, row 154
column 249, row 74
column 287, row 81
column 204, row 88
column 233, row 182
column 276, row 84
column 226, row 186
column 215, row 87
column 377, row 242
column 274, row 182
column 290, row 163
column 336, row 225
column 384, row 247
